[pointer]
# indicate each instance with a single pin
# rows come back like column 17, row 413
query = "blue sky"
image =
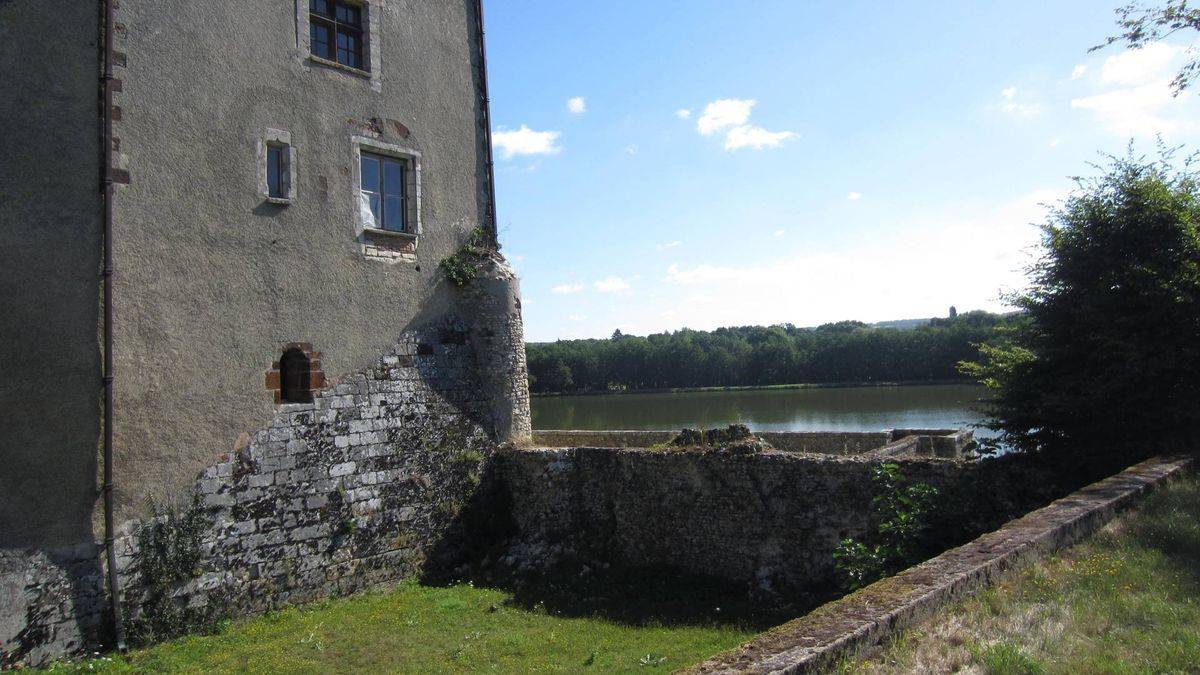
column 696, row 164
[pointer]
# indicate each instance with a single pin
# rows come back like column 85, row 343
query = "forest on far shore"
column 842, row 352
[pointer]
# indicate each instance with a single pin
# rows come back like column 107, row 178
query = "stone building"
column 277, row 183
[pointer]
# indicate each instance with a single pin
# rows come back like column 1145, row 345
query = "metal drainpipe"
column 106, row 83
column 487, row 119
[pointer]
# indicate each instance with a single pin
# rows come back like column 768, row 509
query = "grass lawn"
column 429, row 629
column 1125, row 601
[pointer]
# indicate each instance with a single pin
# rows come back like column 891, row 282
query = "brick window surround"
column 316, row 376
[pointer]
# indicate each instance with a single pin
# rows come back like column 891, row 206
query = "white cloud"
column 683, row 113
column 1015, row 106
column 1135, row 111
column 669, row 244
column 749, row 136
column 567, row 289
column 780, row 232
column 854, row 196
column 577, row 105
column 631, row 149
column 1078, row 71
column 1054, row 142
column 724, row 113
column 611, row 285
column 577, row 317
column 1000, row 238
column 525, row 141
column 1139, row 66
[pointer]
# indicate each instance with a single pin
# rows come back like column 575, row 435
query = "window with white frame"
column 277, row 167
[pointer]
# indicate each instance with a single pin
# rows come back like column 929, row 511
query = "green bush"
column 462, row 266
column 902, row 512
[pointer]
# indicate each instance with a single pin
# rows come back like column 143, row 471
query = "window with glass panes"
column 276, row 168
column 336, row 32
column 383, row 191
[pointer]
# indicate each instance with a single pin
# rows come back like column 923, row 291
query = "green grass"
column 429, row 629
column 1125, row 601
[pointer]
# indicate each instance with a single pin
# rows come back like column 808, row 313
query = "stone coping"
column 866, row 617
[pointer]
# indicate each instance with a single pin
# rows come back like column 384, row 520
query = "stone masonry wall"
column 770, row 520
column 356, row 489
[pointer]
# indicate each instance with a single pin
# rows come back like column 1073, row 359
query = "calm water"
column 842, row 409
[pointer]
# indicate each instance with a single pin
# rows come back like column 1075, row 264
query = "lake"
column 816, row 409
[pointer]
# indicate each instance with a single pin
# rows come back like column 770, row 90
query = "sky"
column 703, row 163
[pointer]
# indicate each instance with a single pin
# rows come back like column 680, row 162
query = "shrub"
column 902, row 512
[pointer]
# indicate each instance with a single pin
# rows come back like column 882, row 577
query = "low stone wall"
column 359, row 488
column 771, row 520
column 933, row 442
column 817, row 642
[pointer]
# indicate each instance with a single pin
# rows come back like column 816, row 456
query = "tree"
column 1141, row 26
column 1105, row 359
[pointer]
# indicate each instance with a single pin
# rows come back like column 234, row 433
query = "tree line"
column 842, row 352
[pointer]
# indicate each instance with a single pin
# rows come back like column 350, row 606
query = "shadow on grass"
column 642, row 596
column 1169, row 521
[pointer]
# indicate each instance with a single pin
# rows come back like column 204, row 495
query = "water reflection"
column 840, row 409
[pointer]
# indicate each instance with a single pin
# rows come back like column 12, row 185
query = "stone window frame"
column 283, row 140
column 372, row 21
column 316, row 376
column 380, row 243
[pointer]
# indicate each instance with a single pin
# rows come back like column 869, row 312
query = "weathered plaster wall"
column 50, row 242
column 356, row 489
column 211, row 279
column 770, row 520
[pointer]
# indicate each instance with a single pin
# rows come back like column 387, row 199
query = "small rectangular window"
column 383, row 192
column 336, row 32
column 275, row 166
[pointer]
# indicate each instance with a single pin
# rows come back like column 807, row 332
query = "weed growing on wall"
column 903, row 512
column 462, row 266
column 168, row 555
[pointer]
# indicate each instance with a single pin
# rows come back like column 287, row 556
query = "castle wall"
column 357, row 489
column 212, row 279
column 771, row 520
column 50, row 244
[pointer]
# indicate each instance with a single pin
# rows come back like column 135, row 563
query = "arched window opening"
column 295, row 379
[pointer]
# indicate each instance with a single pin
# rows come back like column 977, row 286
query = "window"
column 383, row 192
column 295, row 381
column 336, row 32
column 277, row 167
column 275, row 184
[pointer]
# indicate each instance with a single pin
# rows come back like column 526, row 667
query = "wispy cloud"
column 749, row 136
column 683, row 113
column 1078, row 71
column 724, row 113
column 1142, row 102
column 577, row 105
column 732, row 115
column 525, row 141
column 668, row 245
column 780, row 232
column 631, row 149
column 611, row 285
column 1017, row 105
column 567, row 289
column 1002, row 237
column 854, row 196
column 1139, row 66
column 577, row 317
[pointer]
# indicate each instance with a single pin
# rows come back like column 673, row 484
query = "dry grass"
column 1125, row 601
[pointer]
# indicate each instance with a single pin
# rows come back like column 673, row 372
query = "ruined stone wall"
column 356, row 489
column 770, row 520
